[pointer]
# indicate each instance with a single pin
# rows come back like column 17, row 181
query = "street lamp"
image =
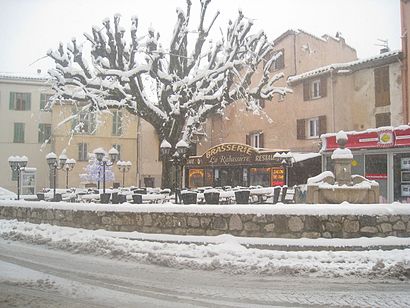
column 57, row 164
column 18, row 163
column 287, row 162
column 69, row 165
column 124, row 166
column 100, row 155
column 178, row 158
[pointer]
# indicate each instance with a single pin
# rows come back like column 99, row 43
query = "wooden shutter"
column 280, row 62
column 382, row 86
column 323, row 86
column 322, row 125
column 248, row 139
column 28, row 101
column 383, row 119
column 306, row 92
column 261, row 140
column 300, row 129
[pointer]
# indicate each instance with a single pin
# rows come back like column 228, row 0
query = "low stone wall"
column 238, row 224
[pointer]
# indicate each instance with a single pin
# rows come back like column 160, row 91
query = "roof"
column 323, row 38
column 348, row 67
column 23, row 77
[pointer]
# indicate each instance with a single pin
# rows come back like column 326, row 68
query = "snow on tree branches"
column 176, row 88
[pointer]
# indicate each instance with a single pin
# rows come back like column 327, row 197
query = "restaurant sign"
column 371, row 139
column 230, row 154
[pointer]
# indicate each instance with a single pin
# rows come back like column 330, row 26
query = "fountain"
column 341, row 186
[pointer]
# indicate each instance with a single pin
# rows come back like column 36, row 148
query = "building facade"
column 352, row 95
column 274, row 126
column 25, row 126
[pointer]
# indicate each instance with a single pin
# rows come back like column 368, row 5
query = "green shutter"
column 12, row 100
column 28, row 100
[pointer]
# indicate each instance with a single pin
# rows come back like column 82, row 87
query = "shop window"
column 383, row 119
column 20, row 101
column 259, row 176
column 401, row 177
column 314, row 89
column 382, row 86
column 196, row 178
column 376, row 169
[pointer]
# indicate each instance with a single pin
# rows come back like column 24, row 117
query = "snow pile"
column 227, row 255
column 342, row 154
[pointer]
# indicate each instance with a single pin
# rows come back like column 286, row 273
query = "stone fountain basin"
column 351, row 194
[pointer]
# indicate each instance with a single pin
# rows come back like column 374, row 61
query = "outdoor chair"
column 276, row 194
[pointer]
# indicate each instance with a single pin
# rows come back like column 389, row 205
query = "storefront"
column 234, row 164
column 380, row 154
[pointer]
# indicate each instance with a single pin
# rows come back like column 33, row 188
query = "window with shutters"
column 382, row 86
column 117, row 123
column 44, row 133
column 18, row 133
column 255, row 140
column 20, row 101
column 279, row 63
column 82, row 152
column 383, row 119
column 314, row 89
column 313, row 127
column 310, row 128
column 44, row 98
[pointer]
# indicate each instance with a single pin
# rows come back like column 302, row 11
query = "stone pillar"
column 343, row 171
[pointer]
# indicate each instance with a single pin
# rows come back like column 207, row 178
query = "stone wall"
column 247, row 225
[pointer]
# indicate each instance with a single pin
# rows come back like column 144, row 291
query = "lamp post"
column 178, row 158
column 124, row 166
column 18, row 163
column 287, row 162
column 69, row 165
column 57, row 164
column 101, row 157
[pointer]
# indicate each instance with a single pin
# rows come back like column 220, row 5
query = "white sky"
column 30, row 27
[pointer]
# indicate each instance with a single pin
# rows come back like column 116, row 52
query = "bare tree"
column 174, row 89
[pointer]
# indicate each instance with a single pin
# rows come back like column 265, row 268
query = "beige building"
column 405, row 45
column 274, row 126
column 29, row 128
column 24, row 127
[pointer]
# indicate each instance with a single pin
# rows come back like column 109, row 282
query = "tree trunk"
column 167, row 179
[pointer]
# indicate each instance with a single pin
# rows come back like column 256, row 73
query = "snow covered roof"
column 23, row 77
column 348, row 67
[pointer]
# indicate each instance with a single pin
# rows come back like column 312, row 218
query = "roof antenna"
column 384, row 44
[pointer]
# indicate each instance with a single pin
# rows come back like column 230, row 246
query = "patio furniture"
column 242, row 196
column 211, row 197
column 137, row 198
column 189, row 197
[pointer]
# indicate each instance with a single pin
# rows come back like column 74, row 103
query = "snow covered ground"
column 223, row 253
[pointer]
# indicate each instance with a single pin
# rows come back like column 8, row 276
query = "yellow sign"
column 230, row 147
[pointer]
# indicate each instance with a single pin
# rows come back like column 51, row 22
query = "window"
column 382, row 86
column 20, row 101
column 18, row 133
column 313, row 128
column 279, row 63
column 84, row 123
column 118, row 148
column 82, row 151
column 255, row 139
column 310, row 128
column 314, row 89
column 44, row 133
column 117, row 123
column 44, row 98
column 383, row 119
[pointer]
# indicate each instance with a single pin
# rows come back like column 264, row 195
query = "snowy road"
column 38, row 276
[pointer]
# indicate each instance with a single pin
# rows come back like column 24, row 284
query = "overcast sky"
column 30, row 27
